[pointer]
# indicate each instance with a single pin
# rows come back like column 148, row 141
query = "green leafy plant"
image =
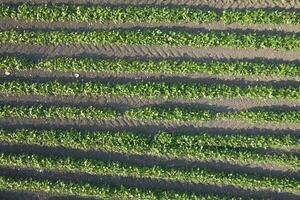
column 146, row 113
column 144, row 14
column 148, row 89
column 155, row 37
column 163, row 145
column 102, row 191
column 68, row 64
column 96, row 167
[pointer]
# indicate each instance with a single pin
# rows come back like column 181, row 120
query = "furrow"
column 152, row 127
column 142, row 52
column 123, row 102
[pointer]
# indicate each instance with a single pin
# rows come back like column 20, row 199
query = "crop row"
column 155, row 37
column 101, row 191
column 151, row 66
column 187, row 114
column 148, row 89
column 201, row 139
column 144, row 14
column 146, row 113
column 162, row 145
column 58, row 112
column 96, row 167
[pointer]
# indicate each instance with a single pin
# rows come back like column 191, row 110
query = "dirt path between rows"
column 147, row 52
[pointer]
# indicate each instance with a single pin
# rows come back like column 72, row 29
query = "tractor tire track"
column 147, row 52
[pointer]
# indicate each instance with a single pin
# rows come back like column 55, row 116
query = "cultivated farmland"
column 150, row 99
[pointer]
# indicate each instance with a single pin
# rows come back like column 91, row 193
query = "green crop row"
column 148, row 89
column 144, row 14
column 101, row 191
column 155, row 37
column 106, row 13
column 151, row 66
column 201, row 139
column 188, row 114
column 146, row 113
column 57, row 112
column 96, row 167
column 162, row 145
column 260, row 17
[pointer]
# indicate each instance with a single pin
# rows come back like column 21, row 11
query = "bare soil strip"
column 228, row 190
column 149, row 161
column 124, row 103
column 147, row 52
column 136, row 77
column 88, row 26
column 217, row 4
column 153, row 127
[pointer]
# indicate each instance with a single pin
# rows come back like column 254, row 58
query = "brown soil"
column 146, row 52
column 152, row 127
column 123, row 103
